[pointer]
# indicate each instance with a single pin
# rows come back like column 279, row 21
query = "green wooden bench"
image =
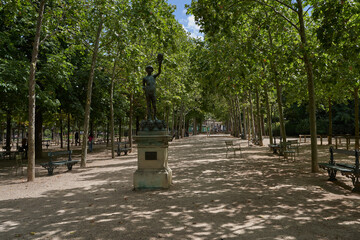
column 255, row 141
column 285, row 151
column 294, row 145
column 11, row 154
column 51, row 165
column 351, row 171
column 123, row 149
column 274, row 147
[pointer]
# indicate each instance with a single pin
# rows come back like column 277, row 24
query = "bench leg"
column 50, row 171
column 69, row 166
column 356, row 183
column 125, row 152
column 332, row 175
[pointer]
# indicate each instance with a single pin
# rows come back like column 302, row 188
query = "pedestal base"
column 152, row 179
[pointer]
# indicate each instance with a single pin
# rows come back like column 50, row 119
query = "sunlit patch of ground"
column 255, row 196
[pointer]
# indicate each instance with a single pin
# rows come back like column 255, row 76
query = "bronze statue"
column 149, row 86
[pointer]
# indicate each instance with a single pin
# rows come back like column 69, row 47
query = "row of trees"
column 82, row 62
column 294, row 53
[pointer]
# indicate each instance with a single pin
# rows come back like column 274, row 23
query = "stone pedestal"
column 153, row 171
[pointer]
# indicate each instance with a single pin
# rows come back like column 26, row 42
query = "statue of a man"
column 149, row 85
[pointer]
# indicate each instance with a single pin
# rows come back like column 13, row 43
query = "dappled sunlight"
column 212, row 197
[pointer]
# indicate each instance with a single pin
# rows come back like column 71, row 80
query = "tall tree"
column 89, row 93
column 31, row 131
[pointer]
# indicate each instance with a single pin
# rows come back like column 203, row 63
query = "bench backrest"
column 54, row 154
column 345, row 152
column 284, row 144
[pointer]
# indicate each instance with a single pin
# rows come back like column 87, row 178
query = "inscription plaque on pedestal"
column 150, row 155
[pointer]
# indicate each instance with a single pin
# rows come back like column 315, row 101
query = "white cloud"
column 192, row 27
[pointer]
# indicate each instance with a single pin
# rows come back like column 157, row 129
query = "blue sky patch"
column 188, row 21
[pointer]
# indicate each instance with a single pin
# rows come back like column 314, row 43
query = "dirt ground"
column 256, row 196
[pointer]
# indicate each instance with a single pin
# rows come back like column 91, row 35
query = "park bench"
column 255, row 141
column 294, row 145
column 231, row 147
column 283, row 149
column 121, row 149
column 347, row 169
column 274, row 148
column 10, row 154
column 51, row 165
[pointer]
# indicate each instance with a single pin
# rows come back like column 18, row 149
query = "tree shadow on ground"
column 212, row 197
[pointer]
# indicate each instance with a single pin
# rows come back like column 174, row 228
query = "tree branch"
column 49, row 35
column 286, row 5
column 279, row 13
column 307, row 10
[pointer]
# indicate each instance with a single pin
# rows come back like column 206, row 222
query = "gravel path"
column 257, row 196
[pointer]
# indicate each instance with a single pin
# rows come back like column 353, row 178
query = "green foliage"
column 247, row 45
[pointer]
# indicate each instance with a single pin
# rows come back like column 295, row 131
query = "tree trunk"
column 311, row 89
column 180, row 128
column 18, row 135
column 8, row 130
column 268, row 112
column 233, row 118
column 107, row 132
column 178, row 124
column 88, row 95
column 330, row 133
column 1, row 135
column 167, row 117
column 31, row 131
column 173, row 122
column 61, row 132
column 238, row 109
column 131, row 119
column 244, row 121
column 356, row 99
column 262, row 123
column 120, row 135
column 13, row 136
column 112, row 130
column 258, row 117
column 252, row 124
column 248, row 122
column 194, row 127
column 38, row 132
column 278, row 92
column 68, row 131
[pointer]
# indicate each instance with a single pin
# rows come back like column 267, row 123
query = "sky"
column 188, row 21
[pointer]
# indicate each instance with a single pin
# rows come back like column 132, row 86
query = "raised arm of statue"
column 160, row 58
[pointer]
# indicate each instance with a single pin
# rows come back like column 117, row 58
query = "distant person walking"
column 77, row 139
column 91, row 138
column 24, row 146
